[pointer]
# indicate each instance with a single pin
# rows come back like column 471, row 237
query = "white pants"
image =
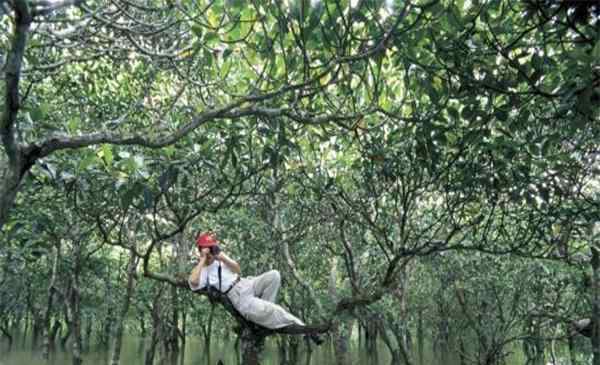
column 254, row 298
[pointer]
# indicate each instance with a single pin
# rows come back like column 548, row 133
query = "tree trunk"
column 595, row 306
column 339, row 329
column 6, row 333
column 252, row 347
column 183, row 334
column 420, row 336
column 444, row 332
column 172, row 336
column 10, row 184
column 25, row 329
column 371, row 335
column 88, row 332
column 402, row 345
column 37, row 328
column 206, row 331
column 155, row 313
column 65, row 337
column 75, row 305
column 50, row 303
column 394, row 352
column 106, row 327
column 54, row 332
column 572, row 351
column 131, row 268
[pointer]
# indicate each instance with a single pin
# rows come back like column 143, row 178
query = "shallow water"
column 133, row 352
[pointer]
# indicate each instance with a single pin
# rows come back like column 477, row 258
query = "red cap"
column 206, row 239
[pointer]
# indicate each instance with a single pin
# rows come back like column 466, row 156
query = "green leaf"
column 107, row 154
column 40, row 112
column 197, row 30
column 73, row 124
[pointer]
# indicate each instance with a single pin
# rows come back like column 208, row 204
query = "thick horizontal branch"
column 58, row 142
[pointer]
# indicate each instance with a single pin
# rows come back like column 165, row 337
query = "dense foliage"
column 423, row 170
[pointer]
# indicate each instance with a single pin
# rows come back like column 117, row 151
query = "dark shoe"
column 316, row 339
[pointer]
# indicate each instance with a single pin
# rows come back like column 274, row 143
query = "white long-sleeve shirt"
column 209, row 276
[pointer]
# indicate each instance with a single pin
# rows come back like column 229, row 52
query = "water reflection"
column 224, row 352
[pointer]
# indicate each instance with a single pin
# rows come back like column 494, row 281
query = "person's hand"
column 219, row 256
column 202, row 254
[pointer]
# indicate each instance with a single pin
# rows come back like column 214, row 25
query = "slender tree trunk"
column 371, row 335
column 444, row 345
column 463, row 351
column 394, row 352
column 340, row 330
column 572, row 351
column 595, row 305
column 142, row 320
column 341, row 335
column 25, row 329
column 420, row 336
column 172, row 336
column 67, row 334
column 252, row 347
column 155, row 338
column 54, row 332
column 75, row 304
column 88, row 331
column 402, row 346
column 6, row 333
column 208, row 331
column 35, row 338
column 50, row 303
column 283, row 353
column 131, row 268
column 183, row 334
column 107, row 328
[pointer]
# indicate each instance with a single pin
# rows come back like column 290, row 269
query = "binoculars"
column 215, row 250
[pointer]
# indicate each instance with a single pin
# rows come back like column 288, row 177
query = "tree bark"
column 339, row 328
column 420, row 336
column 395, row 353
column 75, row 305
column 15, row 169
column 252, row 346
column 54, row 332
column 572, row 351
column 595, row 262
column 50, row 303
column 6, row 333
column 402, row 345
column 155, row 313
column 88, row 332
column 131, row 268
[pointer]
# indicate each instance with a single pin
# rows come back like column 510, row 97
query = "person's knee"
column 275, row 276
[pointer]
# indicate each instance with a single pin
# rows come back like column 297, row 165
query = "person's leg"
column 268, row 314
column 267, row 285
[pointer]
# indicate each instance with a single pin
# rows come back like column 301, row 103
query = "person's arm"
column 194, row 278
column 230, row 263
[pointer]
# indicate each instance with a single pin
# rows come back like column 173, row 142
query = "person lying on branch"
column 252, row 296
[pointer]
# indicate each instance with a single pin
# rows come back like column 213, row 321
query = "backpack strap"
column 219, row 271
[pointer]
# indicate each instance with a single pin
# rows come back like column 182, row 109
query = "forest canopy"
column 355, row 146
